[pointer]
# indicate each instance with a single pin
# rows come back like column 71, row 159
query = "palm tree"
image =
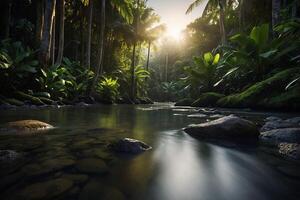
column 45, row 45
column 123, row 7
column 214, row 3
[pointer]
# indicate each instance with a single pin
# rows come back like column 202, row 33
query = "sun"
column 174, row 32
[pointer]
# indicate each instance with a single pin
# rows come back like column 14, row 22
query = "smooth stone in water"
column 46, row 190
column 92, row 166
column 27, row 125
column 128, row 145
column 229, row 128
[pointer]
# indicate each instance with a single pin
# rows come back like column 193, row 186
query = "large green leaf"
column 260, row 34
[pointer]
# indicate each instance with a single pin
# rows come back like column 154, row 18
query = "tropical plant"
column 202, row 74
column 108, row 89
column 17, row 65
column 65, row 81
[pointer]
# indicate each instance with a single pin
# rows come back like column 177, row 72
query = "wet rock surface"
column 130, row 146
column 26, row 125
column 228, row 128
column 8, row 155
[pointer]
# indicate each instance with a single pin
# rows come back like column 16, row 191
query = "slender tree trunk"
column 82, row 40
column 101, row 46
column 294, row 9
column 241, row 15
column 132, row 71
column 148, row 55
column 166, row 67
column 39, row 20
column 222, row 4
column 53, row 40
column 7, row 28
column 44, row 56
column 61, row 32
column 275, row 12
column 89, row 37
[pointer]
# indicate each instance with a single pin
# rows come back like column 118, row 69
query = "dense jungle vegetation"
column 237, row 54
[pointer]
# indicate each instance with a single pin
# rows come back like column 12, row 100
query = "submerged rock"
column 230, row 128
column 46, row 190
column 128, row 145
column 8, row 155
column 26, row 125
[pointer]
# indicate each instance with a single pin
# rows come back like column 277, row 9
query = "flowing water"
column 177, row 168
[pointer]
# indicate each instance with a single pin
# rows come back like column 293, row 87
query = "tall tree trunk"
column 133, row 71
column 82, row 39
column 39, row 20
column 101, row 47
column 89, row 37
column 47, row 32
column 294, row 9
column 275, row 12
column 7, row 28
column 61, row 32
column 53, row 40
column 148, row 55
column 222, row 4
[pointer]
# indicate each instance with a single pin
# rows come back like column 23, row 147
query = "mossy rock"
column 14, row 102
column 267, row 94
column 207, row 99
column 32, row 99
column 184, row 102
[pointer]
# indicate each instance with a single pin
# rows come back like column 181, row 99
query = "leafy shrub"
column 68, row 80
column 108, row 89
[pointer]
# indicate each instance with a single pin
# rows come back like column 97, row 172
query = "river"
column 178, row 167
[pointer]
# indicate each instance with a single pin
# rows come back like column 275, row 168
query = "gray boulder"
column 8, row 155
column 230, row 128
column 128, row 145
column 284, row 135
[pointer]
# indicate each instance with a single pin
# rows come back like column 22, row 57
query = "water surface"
column 178, row 167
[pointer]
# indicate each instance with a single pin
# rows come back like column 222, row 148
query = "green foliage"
column 68, row 80
column 201, row 75
column 269, row 93
column 108, row 89
column 17, row 65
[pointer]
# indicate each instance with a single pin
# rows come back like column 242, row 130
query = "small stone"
column 128, row 145
column 274, row 137
column 92, row 166
column 290, row 150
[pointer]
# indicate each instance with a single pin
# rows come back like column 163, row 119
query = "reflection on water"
column 178, row 167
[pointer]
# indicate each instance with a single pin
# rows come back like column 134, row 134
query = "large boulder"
column 130, row 146
column 27, row 125
column 207, row 99
column 285, row 141
column 230, row 128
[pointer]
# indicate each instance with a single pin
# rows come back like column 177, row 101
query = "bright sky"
column 172, row 13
